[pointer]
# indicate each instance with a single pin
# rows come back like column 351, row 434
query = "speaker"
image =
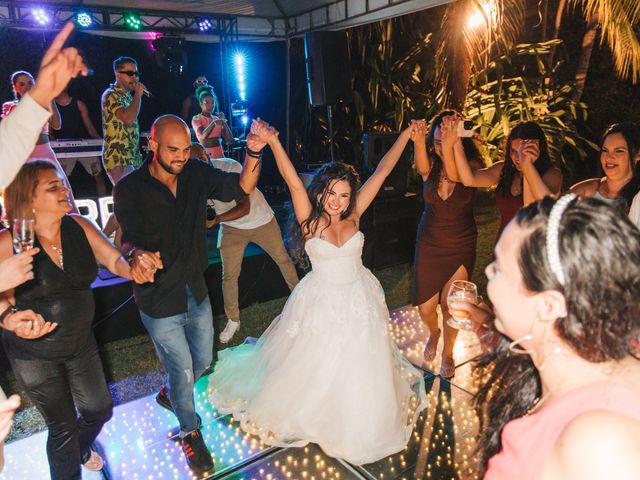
column 329, row 74
column 375, row 145
column 389, row 228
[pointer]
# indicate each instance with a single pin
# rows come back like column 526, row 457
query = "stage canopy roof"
column 248, row 19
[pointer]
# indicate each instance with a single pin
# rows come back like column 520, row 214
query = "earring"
column 514, row 347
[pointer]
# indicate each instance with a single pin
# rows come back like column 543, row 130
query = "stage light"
column 244, row 120
column 40, row 16
column 132, row 21
column 84, row 20
column 239, row 63
column 204, row 24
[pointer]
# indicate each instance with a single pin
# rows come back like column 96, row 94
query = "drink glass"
column 461, row 290
column 23, row 234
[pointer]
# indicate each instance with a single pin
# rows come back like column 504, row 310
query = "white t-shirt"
column 634, row 212
column 260, row 213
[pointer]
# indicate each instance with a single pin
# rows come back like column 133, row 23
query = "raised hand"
column 529, row 151
column 263, row 132
column 418, row 131
column 449, row 129
column 58, row 66
column 28, row 324
column 17, row 269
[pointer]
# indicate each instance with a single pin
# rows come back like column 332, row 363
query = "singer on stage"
column 120, row 130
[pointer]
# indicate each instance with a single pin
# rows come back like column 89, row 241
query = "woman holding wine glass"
column 46, row 322
column 559, row 393
column 446, row 239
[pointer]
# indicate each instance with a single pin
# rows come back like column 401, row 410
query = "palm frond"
column 617, row 19
column 465, row 49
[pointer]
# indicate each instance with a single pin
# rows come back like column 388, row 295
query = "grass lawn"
column 132, row 367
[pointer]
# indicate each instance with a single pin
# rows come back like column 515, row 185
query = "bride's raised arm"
column 263, row 132
column 370, row 189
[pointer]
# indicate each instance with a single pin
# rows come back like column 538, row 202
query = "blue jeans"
column 184, row 344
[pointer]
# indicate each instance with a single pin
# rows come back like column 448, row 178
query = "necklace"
column 58, row 250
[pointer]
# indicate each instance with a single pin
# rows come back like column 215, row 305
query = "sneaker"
column 196, row 452
column 94, row 462
column 229, row 331
column 162, row 399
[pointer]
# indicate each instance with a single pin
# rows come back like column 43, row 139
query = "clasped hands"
column 144, row 265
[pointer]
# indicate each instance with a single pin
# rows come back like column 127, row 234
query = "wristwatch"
column 8, row 311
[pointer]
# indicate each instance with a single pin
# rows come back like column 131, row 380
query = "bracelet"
column 129, row 255
column 8, row 311
column 254, row 154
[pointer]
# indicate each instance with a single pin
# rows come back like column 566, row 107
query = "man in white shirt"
column 19, row 131
column 258, row 226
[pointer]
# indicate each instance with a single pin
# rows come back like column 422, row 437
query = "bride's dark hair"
column 600, row 255
column 317, row 191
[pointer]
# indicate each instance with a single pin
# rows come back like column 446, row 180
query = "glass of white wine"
column 461, row 290
column 23, row 234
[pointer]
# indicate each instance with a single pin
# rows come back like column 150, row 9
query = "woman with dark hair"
column 446, row 239
column 619, row 150
column 21, row 83
column 210, row 125
column 326, row 370
column 559, row 397
column 524, row 176
column 58, row 364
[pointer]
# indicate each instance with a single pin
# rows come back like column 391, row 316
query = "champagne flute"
column 23, row 234
column 461, row 290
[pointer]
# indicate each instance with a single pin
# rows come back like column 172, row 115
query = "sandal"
column 447, row 367
column 431, row 347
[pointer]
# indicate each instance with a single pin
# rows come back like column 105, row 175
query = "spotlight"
column 40, row 16
column 244, row 120
column 132, row 21
column 204, row 24
column 84, row 20
column 238, row 59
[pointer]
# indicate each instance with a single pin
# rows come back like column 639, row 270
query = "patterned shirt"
column 121, row 141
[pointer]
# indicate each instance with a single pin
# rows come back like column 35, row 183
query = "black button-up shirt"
column 153, row 219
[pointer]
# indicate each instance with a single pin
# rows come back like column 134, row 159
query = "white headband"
column 553, row 240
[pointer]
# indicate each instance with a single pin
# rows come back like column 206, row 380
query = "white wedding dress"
column 326, row 370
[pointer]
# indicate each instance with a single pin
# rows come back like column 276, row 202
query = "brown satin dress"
column 446, row 240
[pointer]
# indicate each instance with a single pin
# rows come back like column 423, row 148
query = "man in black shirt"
column 161, row 208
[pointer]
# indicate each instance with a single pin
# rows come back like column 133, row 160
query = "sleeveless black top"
column 59, row 296
column 72, row 125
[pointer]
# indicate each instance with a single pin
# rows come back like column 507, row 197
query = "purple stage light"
column 40, row 16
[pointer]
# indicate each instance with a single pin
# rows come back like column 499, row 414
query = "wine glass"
column 461, row 290
column 23, row 234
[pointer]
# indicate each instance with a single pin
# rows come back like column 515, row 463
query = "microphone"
column 147, row 93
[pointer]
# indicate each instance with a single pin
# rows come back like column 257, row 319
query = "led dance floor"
column 140, row 442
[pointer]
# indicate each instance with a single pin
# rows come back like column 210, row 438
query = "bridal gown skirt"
column 326, row 371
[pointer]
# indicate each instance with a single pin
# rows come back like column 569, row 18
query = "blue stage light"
column 244, row 119
column 84, row 20
column 204, row 24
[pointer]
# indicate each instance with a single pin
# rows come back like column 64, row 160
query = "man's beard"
column 166, row 167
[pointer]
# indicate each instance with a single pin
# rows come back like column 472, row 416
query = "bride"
column 326, row 370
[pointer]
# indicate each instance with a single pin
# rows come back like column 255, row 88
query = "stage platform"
column 140, row 442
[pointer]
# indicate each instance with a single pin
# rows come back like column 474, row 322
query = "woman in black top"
column 49, row 340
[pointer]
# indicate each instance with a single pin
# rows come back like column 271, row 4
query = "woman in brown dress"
column 446, row 241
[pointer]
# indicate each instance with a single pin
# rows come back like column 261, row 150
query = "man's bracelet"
column 8, row 311
column 253, row 153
